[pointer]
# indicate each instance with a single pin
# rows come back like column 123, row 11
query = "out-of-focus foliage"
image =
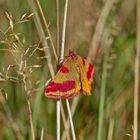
column 24, row 70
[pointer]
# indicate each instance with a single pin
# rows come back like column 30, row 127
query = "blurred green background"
column 24, row 68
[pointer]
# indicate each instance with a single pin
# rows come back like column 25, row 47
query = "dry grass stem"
column 73, row 109
column 58, row 105
column 136, row 74
column 66, row 123
column 64, row 32
column 99, row 29
column 30, row 118
column 42, row 36
column 58, row 20
column 61, row 59
column 47, row 29
column 110, row 130
column 42, row 134
column 71, row 121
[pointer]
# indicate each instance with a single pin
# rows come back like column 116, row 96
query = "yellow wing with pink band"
column 87, row 73
column 74, row 77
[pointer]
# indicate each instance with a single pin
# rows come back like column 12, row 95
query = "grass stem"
column 58, row 103
column 66, row 124
column 136, row 74
column 73, row 109
column 102, row 96
column 71, row 121
column 64, row 31
column 47, row 29
column 99, row 29
column 42, row 134
column 57, row 26
column 30, row 118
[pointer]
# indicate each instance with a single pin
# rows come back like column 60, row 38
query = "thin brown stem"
column 47, row 29
column 42, row 134
column 57, row 14
column 110, row 130
column 136, row 74
column 42, row 36
column 65, row 123
column 30, row 118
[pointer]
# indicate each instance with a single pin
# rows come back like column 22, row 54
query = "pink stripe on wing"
column 89, row 72
column 62, row 87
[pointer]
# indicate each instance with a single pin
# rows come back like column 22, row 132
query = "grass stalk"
column 57, row 26
column 136, row 74
column 102, row 96
column 30, row 118
column 71, row 121
column 47, row 29
column 64, row 32
column 42, row 36
column 58, row 104
column 61, row 59
column 111, row 129
column 66, row 123
column 42, row 134
column 99, row 29
column 46, row 50
column 73, row 108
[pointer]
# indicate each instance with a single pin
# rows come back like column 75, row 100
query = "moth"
column 75, row 76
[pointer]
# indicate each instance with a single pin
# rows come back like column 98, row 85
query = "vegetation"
column 104, row 32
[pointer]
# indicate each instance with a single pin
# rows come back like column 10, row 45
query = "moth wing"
column 87, row 73
column 66, row 83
